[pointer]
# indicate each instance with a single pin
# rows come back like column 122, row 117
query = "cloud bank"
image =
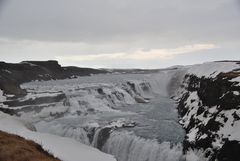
column 140, row 54
column 120, row 33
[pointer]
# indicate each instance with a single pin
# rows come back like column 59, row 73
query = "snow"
column 24, row 62
column 192, row 135
column 2, row 97
column 64, row 148
column 237, row 79
column 236, row 93
column 212, row 69
column 140, row 99
column 231, row 128
column 191, row 105
column 121, row 122
column 212, row 109
column 203, row 136
column 235, row 134
column 34, row 95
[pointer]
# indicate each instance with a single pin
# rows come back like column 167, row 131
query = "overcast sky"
column 120, row 33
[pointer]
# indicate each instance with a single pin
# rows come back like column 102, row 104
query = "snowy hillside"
column 209, row 106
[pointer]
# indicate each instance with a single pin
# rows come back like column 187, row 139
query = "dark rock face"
column 37, row 101
column 182, row 110
column 12, row 75
column 210, row 92
column 214, row 99
column 132, row 85
column 34, row 105
column 230, row 151
column 103, row 137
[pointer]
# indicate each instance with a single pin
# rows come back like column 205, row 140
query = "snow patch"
column 212, row 69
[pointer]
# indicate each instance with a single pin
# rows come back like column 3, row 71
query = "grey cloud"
column 84, row 27
column 102, row 21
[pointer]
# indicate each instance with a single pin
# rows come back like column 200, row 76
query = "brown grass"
column 15, row 148
column 230, row 75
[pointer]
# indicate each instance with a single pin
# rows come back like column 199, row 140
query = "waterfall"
column 93, row 97
column 56, row 128
column 100, row 137
column 126, row 146
column 78, row 134
column 95, row 138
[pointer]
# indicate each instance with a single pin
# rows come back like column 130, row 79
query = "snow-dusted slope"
column 212, row 69
column 64, row 148
column 209, row 105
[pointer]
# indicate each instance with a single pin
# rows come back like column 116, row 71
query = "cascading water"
column 100, row 137
column 126, row 146
column 94, row 102
column 65, row 130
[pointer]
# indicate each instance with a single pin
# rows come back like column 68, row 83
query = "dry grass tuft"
column 15, row 148
column 230, row 75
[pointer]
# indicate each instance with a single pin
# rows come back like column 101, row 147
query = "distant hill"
column 12, row 75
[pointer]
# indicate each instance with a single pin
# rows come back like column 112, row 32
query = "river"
column 146, row 131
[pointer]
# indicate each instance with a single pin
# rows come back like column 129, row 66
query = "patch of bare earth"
column 15, row 148
column 230, row 75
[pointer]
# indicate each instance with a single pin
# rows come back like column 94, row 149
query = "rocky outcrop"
column 209, row 109
column 12, row 75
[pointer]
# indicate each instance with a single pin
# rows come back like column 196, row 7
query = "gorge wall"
column 209, row 109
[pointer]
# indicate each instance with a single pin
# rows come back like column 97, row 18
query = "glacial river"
column 94, row 103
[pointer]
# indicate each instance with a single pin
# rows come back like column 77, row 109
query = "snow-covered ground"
column 65, row 149
column 211, row 69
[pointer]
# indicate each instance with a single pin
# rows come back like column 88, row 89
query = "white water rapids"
column 94, row 105
column 128, row 147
